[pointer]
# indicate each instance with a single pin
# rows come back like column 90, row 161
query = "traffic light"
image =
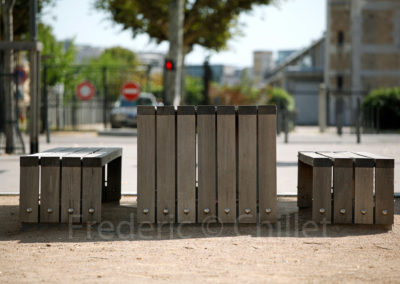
column 169, row 65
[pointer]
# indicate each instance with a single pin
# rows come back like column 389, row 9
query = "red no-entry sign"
column 130, row 91
column 85, row 91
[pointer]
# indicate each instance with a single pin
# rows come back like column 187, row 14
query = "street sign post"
column 130, row 91
column 85, row 91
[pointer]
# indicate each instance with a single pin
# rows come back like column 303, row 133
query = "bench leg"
column 322, row 197
column 92, row 183
column 29, row 194
column 304, row 185
column 113, row 190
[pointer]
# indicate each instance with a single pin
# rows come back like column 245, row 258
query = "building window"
column 340, row 37
column 339, row 82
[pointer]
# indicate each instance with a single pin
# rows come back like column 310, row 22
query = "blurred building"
column 283, row 54
column 85, row 52
column 221, row 74
column 363, row 50
column 262, row 63
column 155, row 59
column 301, row 74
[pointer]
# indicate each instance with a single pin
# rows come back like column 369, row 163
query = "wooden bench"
column 64, row 183
column 206, row 164
column 347, row 187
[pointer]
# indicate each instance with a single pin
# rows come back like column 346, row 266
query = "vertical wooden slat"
column 384, row 188
column 226, row 163
column 113, row 190
column 166, row 179
column 342, row 186
column 363, row 190
column 186, row 164
column 304, row 185
column 29, row 189
column 384, row 191
column 71, row 182
column 146, row 164
column 92, row 182
column 364, row 203
column 51, row 184
column 321, row 208
column 247, row 163
column 267, row 163
column 206, row 164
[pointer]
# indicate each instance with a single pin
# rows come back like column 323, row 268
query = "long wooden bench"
column 347, row 187
column 64, row 183
column 207, row 164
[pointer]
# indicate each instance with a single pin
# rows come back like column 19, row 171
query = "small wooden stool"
column 72, row 184
column 346, row 187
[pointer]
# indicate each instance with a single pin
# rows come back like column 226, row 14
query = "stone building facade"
column 363, row 44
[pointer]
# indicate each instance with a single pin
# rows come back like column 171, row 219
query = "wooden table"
column 68, row 184
column 347, row 187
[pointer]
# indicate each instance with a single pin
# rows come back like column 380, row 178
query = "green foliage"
column 57, row 54
column 207, row 23
column 193, row 91
column 388, row 103
column 281, row 98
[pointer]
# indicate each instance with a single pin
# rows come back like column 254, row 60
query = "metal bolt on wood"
column 70, row 210
column 146, row 211
column 247, row 210
column 268, row 211
column 29, row 210
column 50, row 210
column 165, row 211
column 206, row 210
column 384, row 212
column 186, row 210
column 322, row 211
column 91, row 210
column 342, row 211
column 363, row 211
column 227, row 210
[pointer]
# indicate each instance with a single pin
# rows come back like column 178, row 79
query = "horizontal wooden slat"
column 101, row 157
column 314, row 159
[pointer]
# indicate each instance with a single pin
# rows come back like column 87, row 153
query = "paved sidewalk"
column 304, row 138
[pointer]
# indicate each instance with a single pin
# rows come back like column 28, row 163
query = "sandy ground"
column 294, row 249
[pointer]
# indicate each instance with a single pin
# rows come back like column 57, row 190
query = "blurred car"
column 124, row 113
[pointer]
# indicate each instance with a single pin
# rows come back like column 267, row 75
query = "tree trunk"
column 8, row 79
column 174, row 78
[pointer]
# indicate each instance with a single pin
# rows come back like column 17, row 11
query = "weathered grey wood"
column 29, row 190
column 384, row 191
column 92, row 182
column 321, row 208
column 146, row 165
column 267, row 163
column 314, row 159
column 247, row 164
column 71, row 181
column 363, row 188
column 51, row 184
column 102, row 156
column 166, row 180
column 114, row 171
column 206, row 164
column 226, row 164
column 186, row 164
column 342, row 186
column 304, row 185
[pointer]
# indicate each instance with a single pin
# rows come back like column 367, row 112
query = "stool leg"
column 92, row 184
column 304, row 185
column 113, row 191
column 322, row 197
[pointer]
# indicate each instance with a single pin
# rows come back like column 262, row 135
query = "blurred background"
column 325, row 63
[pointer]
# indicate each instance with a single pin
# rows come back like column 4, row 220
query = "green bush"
column 386, row 102
column 193, row 91
column 281, row 98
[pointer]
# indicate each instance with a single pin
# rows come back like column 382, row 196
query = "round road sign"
column 85, row 91
column 21, row 74
column 130, row 91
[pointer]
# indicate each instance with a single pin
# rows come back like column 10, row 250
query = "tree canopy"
column 208, row 23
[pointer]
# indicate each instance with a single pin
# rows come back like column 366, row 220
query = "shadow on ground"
column 119, row 223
